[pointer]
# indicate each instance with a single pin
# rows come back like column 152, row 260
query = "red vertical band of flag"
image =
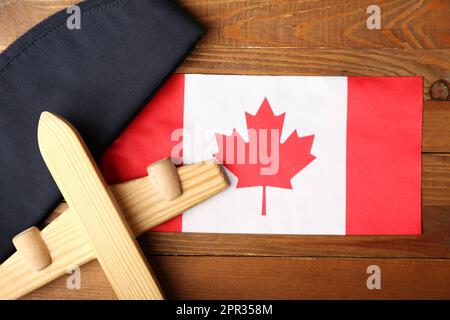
column 384, row 120
column 135, row 149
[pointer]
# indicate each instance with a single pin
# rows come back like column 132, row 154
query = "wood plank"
column 296, row 38
column 436, row 127
column 294, row 59
column 432, row 65
column 17, row 16
column 324, row 23
column 300, row 24
column 93, row 285
column 436, row 179
column 434, row 243
column 274, row 278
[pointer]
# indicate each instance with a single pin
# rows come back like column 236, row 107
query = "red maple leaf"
column 264, row 160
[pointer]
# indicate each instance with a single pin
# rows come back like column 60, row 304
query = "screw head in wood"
column 440, row 90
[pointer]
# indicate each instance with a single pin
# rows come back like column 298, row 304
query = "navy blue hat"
column 97, row 77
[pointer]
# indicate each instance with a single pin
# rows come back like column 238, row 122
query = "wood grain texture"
column 429, row 64
column 68, row 248
column 410, row 24
column 17, row 16
column 436, row 179
column 96, row 210
column 164, row 177
column 275, row 278
column 143, row 208
column 31, row 247
column 298, row 37
column 433, row 243
column 406, row 24
column 322, row 37
column 436, row 127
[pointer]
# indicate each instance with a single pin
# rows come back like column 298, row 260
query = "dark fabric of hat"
column 97, row 77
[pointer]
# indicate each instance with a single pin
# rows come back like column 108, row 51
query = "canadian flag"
column 304, row 155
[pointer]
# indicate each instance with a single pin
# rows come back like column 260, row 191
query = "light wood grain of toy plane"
column 143, row 208
column 90, row 200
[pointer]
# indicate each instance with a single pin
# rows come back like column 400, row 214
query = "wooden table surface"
column 321, row 37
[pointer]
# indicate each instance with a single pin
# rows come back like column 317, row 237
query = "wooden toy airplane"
column 101, row 222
